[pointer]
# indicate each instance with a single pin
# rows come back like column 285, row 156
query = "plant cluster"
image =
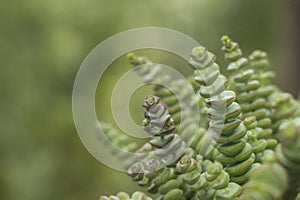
column 246, row 145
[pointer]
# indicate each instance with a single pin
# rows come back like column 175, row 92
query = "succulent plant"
column 125, row 196
column 246, row 145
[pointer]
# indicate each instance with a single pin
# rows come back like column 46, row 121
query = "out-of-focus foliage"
column 42, row 44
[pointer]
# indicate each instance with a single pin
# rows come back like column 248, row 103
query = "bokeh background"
column 42, row 44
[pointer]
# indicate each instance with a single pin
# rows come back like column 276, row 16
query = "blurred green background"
column 42, row 44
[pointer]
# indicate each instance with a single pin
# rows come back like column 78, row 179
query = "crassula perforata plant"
column 246, row 145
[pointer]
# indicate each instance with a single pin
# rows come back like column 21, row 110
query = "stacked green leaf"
column 118, row 138
column 236, row 154
column 190, row 168
column 267, row 182
column 253, row 137
column 156, row 177
column 288, row 154
column 157, row 171
column 250, row 86
column 297, row 113
column 278, row 177
column 260, row 63
column 124, row 196
column 282, row 105
column 206, row 180
column 159, row 125
column 119, row 143
column 144, row 67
